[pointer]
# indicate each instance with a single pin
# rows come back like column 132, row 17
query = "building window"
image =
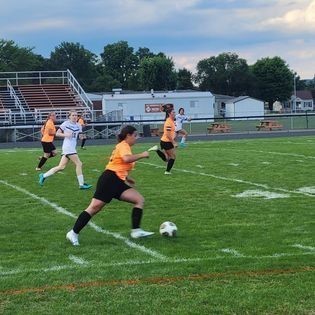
column 193, row 104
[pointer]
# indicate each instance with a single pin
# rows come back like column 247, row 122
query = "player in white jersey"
column 70, row 131
column 179, row 120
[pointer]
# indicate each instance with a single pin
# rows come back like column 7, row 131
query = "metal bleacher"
column 27, row 97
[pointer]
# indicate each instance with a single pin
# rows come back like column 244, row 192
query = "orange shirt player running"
column 48, row 132
column 117, row 164
column 168, row 130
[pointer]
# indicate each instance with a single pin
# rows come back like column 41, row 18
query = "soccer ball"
column 168, row 229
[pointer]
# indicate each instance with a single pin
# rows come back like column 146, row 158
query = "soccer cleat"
column 154, row 148
column 38, row 169
column 83, row 148
column 182, row 145
column 137, row 233
column 41, row 179
column 85, row 186
column 167, row 173
column 73, row 238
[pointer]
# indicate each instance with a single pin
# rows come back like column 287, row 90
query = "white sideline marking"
column 78, row 260
column 232, row 251
column 233, row 164
column 309, row 190
column 233, row 180
column 59, row 209
column 148, row 262
column 273, row 152
column 304, row 247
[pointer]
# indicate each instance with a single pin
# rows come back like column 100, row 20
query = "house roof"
column 241, row 98
column 304, row 95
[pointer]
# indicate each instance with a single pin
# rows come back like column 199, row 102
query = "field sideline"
column 245, row 213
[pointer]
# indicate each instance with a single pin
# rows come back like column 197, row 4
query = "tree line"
column 121, row 66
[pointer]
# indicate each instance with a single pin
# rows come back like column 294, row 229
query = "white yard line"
column 62, row 210
column 232, row 251
column 308, row 248
column 233, row 180
column 271, row 152
column 78, row 260
column 179, row 260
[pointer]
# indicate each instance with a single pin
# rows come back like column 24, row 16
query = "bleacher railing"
column 17, row 101
column 75, row 85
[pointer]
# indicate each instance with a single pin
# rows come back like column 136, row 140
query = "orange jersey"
column 117, row 164
column 168, row 130
column 81, row 121
column 47, row 130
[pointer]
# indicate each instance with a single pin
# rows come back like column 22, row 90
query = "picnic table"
column 219, row 127
column 269, row 125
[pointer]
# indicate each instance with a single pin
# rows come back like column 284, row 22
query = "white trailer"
column 147, row 105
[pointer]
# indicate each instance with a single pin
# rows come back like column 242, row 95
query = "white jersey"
column 69, row 144
column 179, row 120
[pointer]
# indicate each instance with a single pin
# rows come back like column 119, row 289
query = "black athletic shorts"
column 109, row 186
column 166, row 145
column 48, row 147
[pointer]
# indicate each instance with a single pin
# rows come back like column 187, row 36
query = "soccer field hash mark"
column 261, row 194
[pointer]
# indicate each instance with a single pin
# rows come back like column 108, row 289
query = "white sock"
column 49, row 173
column 183, row 140
column 80, row 180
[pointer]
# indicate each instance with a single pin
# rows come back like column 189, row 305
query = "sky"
column 185, row 30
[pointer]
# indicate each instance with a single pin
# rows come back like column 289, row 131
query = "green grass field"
column 245, row 245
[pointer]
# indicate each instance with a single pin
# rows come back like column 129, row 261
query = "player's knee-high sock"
column 136, row 216
column 161, row 155
column 83, row 143
column 170, row 164
column 42, row 162
column 81, row 222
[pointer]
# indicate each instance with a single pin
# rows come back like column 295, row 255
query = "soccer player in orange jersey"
column 48, row 131
column 82, row 122
column 167, row 143
column 116, row 183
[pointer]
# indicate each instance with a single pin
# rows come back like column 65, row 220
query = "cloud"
column 296, row 20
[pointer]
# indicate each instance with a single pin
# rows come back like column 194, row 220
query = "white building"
column 147, row 105
column 244, row 106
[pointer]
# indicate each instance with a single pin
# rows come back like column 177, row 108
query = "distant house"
column 304, row 101
column 244, row 106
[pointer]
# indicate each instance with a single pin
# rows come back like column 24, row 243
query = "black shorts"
column 166, row 145
column 48, row 147
column 109, row 186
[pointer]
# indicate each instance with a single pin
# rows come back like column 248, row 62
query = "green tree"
column 15, row 58
column 224, row 74
column 184, row 79
column 274, row 80
column 119, row 62
column 80, row 61
column 157, row 73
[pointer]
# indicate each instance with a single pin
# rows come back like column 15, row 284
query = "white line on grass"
column 304, row 247
column 59, row 209
column 147, row 262
column 232, row 252
column 272, row 152
column 233, row 180
column 78, row 260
